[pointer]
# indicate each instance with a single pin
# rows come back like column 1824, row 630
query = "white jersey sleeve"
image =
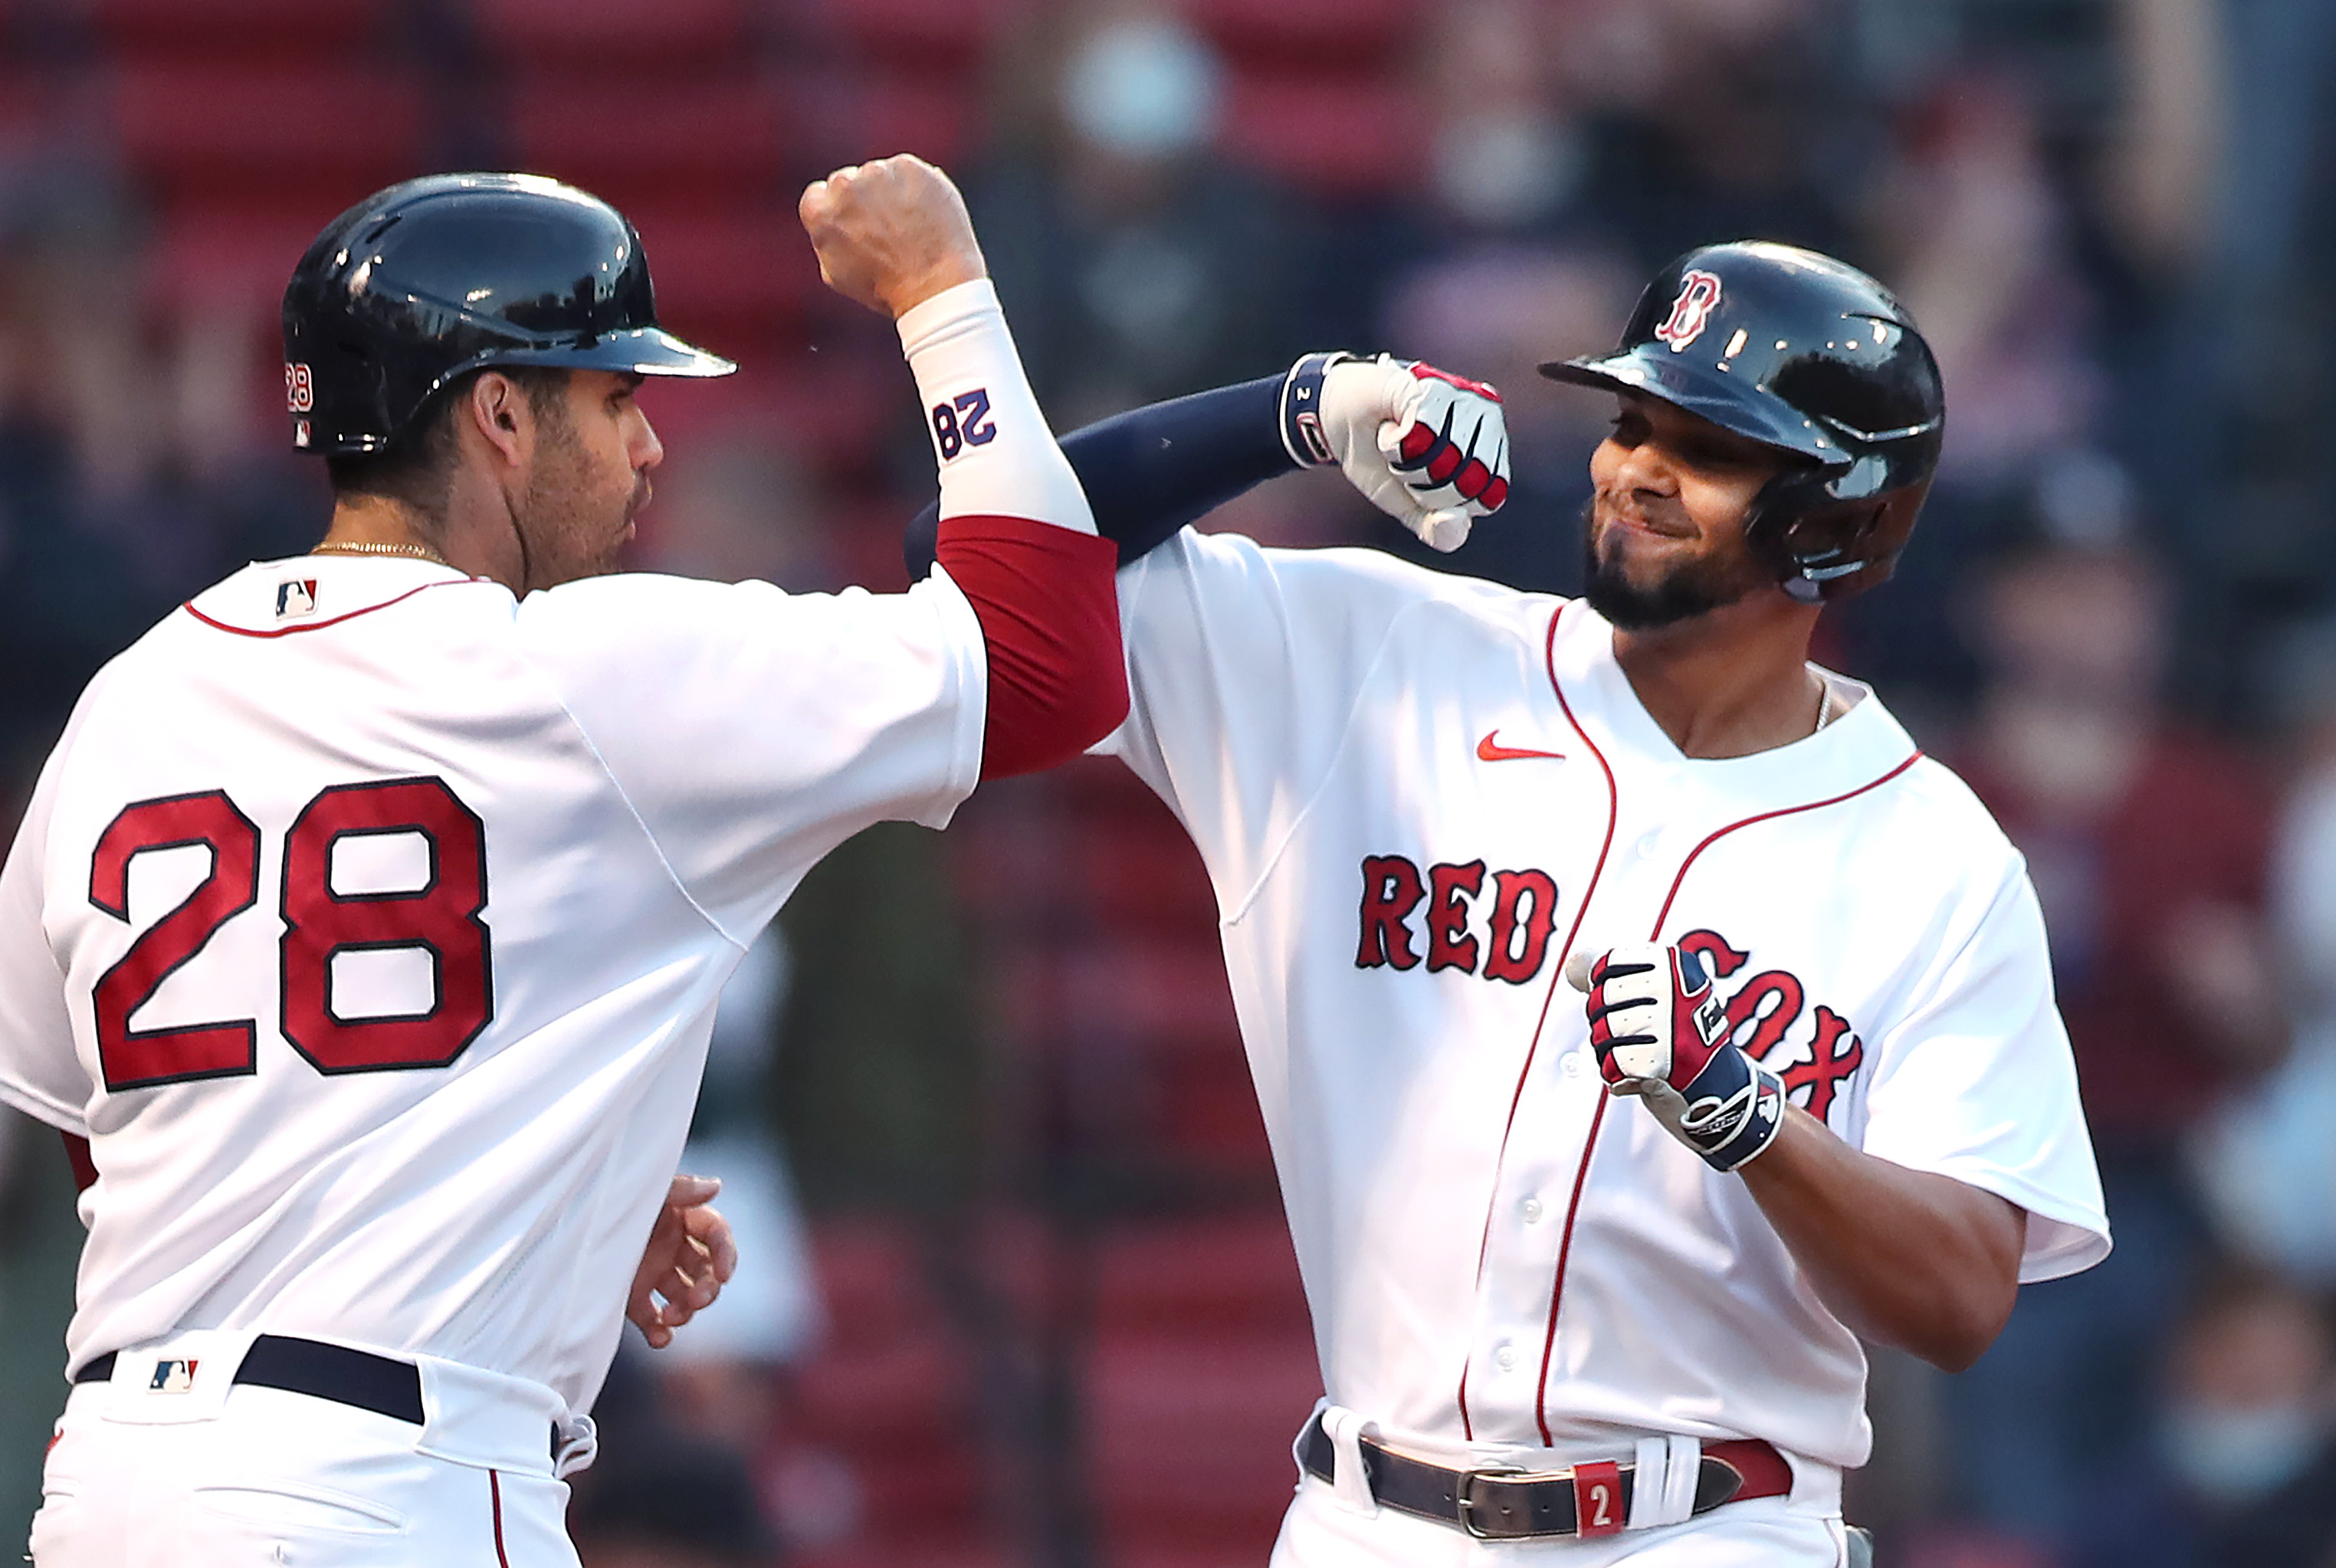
column 753, row 730
column 1976, row 1082
column 40, row 1072
column 1245, row 667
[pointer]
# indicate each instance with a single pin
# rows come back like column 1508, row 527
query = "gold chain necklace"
column 367, row 547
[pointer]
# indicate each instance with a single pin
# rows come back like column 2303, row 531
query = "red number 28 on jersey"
column 440, row 917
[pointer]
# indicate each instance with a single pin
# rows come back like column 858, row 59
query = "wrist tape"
column 1735, row 1109
column 1302, row 436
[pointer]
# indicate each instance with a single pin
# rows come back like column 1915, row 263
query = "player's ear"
column 497, row 409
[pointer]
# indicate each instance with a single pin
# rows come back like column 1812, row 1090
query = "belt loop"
column 1680, row 1474
column 576, row 1443
column 1347, row 1429
column 1651, row 1468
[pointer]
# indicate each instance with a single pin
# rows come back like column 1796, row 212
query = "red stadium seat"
column 1338, row 135
column 1201, row 1369
column 1146, row 876
column 931, row 115
column 629, row 141
column 244, row 130
column 597, row 31
column 1170, row 992
column 1226, row 1273
column 1308, row 30
column 213, row 257
column 741, row 271
column 890, row 1391
column 956, row 34
column 239, row 27
column 30, row 100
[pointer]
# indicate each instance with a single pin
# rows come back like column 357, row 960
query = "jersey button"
column 1573, row 1065
column 1530, row 1209
column 1649, row 845
column 1505, row 1355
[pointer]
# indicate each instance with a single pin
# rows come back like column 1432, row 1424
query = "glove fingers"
column 1441, row 457
column 1459, row 463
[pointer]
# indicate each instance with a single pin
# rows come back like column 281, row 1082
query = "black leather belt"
column 381, row 1384
column 1512, row 1505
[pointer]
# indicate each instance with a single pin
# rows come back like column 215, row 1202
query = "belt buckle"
column 1467, row 1505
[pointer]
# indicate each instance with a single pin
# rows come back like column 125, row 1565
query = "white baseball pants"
column 164, row 1467
column 1321, row 1532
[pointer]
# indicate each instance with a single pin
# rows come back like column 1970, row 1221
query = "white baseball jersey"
column 371, row 921
column 1414, row 794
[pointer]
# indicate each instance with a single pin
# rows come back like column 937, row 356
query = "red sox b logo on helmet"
column 1699, row 295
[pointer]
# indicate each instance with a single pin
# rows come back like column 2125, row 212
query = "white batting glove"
column 1430, row 449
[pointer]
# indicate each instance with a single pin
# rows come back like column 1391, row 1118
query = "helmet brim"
column 644, row 351
column 1726, row 401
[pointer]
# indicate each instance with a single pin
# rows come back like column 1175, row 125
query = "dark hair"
column 416, row 468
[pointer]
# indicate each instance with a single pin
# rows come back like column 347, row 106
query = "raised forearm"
column 1150, row 471
column 1906, row 1257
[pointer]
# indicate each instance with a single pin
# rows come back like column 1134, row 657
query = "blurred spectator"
column 1974, row 239
column 2266, row 1161
column 1716, row 120
column 128, row 474
column 2241, row 1471
column 2229, row 417
column 1135, row 263
column 2146, row 843
column 1508, row 154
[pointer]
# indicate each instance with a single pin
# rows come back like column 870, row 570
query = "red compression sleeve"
column 1050, row 616
column 84, row 1169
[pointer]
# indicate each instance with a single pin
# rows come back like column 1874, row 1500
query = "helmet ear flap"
column 1833, row 549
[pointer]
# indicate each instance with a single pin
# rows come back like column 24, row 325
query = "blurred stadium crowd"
column 1017, row 1289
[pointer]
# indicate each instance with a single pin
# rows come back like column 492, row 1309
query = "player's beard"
column 1690, row 589
column 564, row 517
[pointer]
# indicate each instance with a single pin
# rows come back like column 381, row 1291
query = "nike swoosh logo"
column 1491, row 750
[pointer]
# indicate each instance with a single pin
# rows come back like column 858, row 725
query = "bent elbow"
column 1041, row 733
column 1963, row 1335
column 1049, row 610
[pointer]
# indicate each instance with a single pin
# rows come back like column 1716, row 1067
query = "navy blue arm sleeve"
column 1150, row 471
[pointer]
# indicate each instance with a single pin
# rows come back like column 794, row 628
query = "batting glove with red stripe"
column 1430, row 449
column 1662, row 1035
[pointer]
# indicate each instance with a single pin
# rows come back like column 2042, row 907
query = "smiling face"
column 1664, row 532
column 593, row 454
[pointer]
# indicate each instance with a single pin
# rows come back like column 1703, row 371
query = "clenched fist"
column 1661, row 1033
column 890, row 233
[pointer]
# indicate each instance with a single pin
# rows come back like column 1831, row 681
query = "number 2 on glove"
column 1661, row 1034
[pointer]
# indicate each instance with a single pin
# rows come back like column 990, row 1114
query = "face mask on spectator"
column 1145, row 90
column 2236, row 1455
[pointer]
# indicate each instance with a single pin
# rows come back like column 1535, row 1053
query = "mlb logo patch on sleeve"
column 173, row 1376
column 296, row 598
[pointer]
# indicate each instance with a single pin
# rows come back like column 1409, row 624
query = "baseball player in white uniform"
column 1588, row 1276
column 369, row 918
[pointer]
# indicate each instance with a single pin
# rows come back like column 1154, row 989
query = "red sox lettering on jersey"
column 1514, row 923
column 1416, row 794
